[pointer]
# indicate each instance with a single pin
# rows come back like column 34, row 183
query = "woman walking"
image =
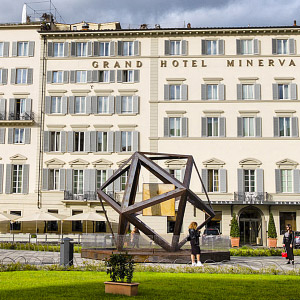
column 135, row 238
column 288, row 243
column 193, row 237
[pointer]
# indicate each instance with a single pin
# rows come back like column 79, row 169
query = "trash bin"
column 66, row 252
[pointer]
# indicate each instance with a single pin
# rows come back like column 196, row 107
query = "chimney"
column 295, row 23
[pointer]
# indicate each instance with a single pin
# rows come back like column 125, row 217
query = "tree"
column 234, row 227
column 272, row 234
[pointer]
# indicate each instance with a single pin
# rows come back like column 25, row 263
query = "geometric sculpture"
column 129, row 210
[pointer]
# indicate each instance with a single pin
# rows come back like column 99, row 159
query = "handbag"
column 284, row 254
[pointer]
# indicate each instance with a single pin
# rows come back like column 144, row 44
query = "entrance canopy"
column 90, row 216
column 40, row 216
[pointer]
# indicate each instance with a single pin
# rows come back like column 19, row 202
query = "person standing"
column 135, row 238
column 193, row 237
column 288, row 243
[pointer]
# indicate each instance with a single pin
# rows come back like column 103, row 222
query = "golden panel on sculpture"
column 166, row 208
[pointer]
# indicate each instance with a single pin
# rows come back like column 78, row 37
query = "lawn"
column 89, row 285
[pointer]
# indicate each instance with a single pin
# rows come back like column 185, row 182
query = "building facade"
column 227, row 96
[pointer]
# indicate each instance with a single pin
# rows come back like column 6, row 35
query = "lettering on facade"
column 260, row 62
column 127, row 64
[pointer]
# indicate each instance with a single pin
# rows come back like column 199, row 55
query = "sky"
column 167, row 13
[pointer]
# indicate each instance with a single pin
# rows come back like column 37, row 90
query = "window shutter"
column 88, row 105
column 63, row 141
column 118, row 104
column 276, row 126
column 166, row 127
column 64, row 105
column 25, row 179
column 240, row 176
column 135, row 104
column 295, row 132
column 117, row 184
column 90, row 49
column 10, row 136
column 69, row 180
column 258, row 127
column 221, row 89
column 95, row 76
column 221, row 47
column 8, row 179
column 119, row 75
column 111, row 105
column 275, row 91
column 118, row 141
column 204, row 127
column 223, row 180
column 260, row 180
column 28, row 106
column 136, row 48
column 274, row 46
column 2, row 109
column 66, row 49
column 72, row 76
column 31, row 49
column 6, row 49
column 112, row 49
column 2, row 135
column 29, row 76
column 49, row 77
column 183, row 47
column 239, row 127
column 182, row 174
column 136, row 75
column 109, row 173
column 184, row 127
column 14, row 49
column 238, row 47
column 296, row 178
column 256, row 46
column 93, row 180
column 203, row 92
column 184, row 92
column 13, row 76
column 86, row 181
column 204, row 48
column 239, row 91
column 45, row 179
column 166, row 92
column 70, row 141
column 257, row 90
column 4, row 76
column 112, row 76
column 89, row 76
column 222, row 127
column 62, row 179
column 71, row 105
column 204, row 175
column 292, row 46
column 93, row 141
column 50, row 49
column 12, row 102
column 46, row 141
column 87, row 141
column 27, row 135
column 167, row 47
column 73, row 49
column 96, row 49
column 135, row 139
column 110, row 142
column 94, row 105
column 120, row 48
column 278, row 180
column 293, row 91
column 66, row 76
column 1, row 178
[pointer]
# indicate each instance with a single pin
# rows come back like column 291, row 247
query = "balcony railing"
column 83, row 197
column 21, row 116
column 2, row 117
column 251, row 197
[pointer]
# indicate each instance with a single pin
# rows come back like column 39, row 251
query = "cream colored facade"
column 236, row 109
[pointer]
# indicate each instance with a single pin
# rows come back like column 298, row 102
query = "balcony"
column 87, row 196
column 252, row 197
column 17, row 118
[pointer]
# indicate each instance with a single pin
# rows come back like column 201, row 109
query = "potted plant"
column 234, row 232
column 120, row 268
column 272, row 234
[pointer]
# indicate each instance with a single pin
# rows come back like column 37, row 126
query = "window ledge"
column 127, row 114
column 54, row 153
column 83, row 114
column 102, row 153
column 105, row 114
column 56, row 114
column 125, row 153
column 79, row 153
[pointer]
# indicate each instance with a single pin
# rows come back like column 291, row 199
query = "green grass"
column 89, row 285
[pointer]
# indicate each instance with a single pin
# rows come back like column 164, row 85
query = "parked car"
column 297, row 239
column 210, row 235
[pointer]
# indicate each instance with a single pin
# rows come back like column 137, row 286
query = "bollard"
column 66, row 252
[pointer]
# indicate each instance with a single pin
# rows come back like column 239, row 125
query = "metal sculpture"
column 129, row 209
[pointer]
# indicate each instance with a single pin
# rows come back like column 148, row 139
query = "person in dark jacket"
column 288, row 243
column 193, row 237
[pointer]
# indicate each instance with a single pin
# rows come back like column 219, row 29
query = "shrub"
column 272, row 228
column 234, row 227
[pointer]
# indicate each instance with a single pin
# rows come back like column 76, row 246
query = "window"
column 56, row 105
column 78, row 182
column 17, row 179
column 103, row 105
column 128, row 48
column 124, row 180
column 283, row 91
column 77, row 225
column 284, row 126
column 102, row 141
column 57, row 77
column 212, row 47
column 81, row 76
column 104, row 48
column 126, row 104
column 213, row 126
column 175, row 91
column 247, row 91
column 246, row 46
column 282, row 46
column 81, row 49
column 103, row 76
column 80, row 105
column 58, row 49
column 19, row 136
column 286, row 181
column 127, row 76
column 249, row 180
column 53, row 184
column 20, row 109
column 78, row 141
column 212, row 91
column 54, row 141
column 22, row 48
column 15, row 225
column 100, row 226
column 216, row 221
column 213, row 181
column 176, row 173
column 126, row 141
column 22, row 76
column 101, row 178
column 175, row 47
column 1, row 50
column 248, row 126
column 175, row 126
column 287, row 218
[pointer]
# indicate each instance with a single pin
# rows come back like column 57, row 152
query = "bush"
column 234, row 227
column 272, row 228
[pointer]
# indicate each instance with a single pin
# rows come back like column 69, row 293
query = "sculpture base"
column 157, row 255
